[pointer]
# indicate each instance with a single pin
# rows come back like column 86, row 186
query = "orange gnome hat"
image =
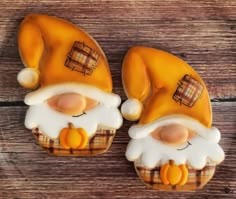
column 163, row 89
column 60, row 57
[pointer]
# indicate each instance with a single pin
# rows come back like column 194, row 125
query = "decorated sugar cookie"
column 72, row 109
column 173, row 146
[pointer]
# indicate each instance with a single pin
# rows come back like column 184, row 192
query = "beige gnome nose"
column 172, row 134
column 71, row 103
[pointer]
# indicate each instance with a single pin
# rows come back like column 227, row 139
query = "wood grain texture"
column 26, row 171
column 201, row 32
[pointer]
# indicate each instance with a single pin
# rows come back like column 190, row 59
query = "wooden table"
column 201, row 32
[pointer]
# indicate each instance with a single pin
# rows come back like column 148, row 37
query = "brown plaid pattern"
column 97, row 144
column 188, row 91
column 82, row 58
column 196, row 178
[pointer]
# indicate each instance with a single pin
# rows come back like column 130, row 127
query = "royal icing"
column 174, row 131
column 196, row 152
column 139, row 131
column 50, row 122
column 42, row 94
column 73, row 110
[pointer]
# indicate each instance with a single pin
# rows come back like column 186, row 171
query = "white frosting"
column 28, row 77
column 152, row 152
column 50, row 122
column 131, row 109
column 141, row 131
column 44, row 93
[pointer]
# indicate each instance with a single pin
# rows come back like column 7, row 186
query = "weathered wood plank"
column 26, row 171
column 13, row 130
column 201, row 32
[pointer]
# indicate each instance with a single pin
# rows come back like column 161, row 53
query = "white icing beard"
column 152, row 152
column 51, row 122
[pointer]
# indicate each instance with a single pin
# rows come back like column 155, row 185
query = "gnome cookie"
column 173, row 146
column 73, row 110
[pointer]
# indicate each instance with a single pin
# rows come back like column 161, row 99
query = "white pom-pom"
column 131, row 109
column 28, row 77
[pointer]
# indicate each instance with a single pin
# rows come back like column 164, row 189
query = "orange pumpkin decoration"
column 71, row 137
column 174, row 174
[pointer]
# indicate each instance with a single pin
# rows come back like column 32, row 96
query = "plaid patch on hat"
column 188, row 91
column 196, row 178
column 82, row 58
column 97, row 144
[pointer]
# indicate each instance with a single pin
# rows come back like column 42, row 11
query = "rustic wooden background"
column 201, row 32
